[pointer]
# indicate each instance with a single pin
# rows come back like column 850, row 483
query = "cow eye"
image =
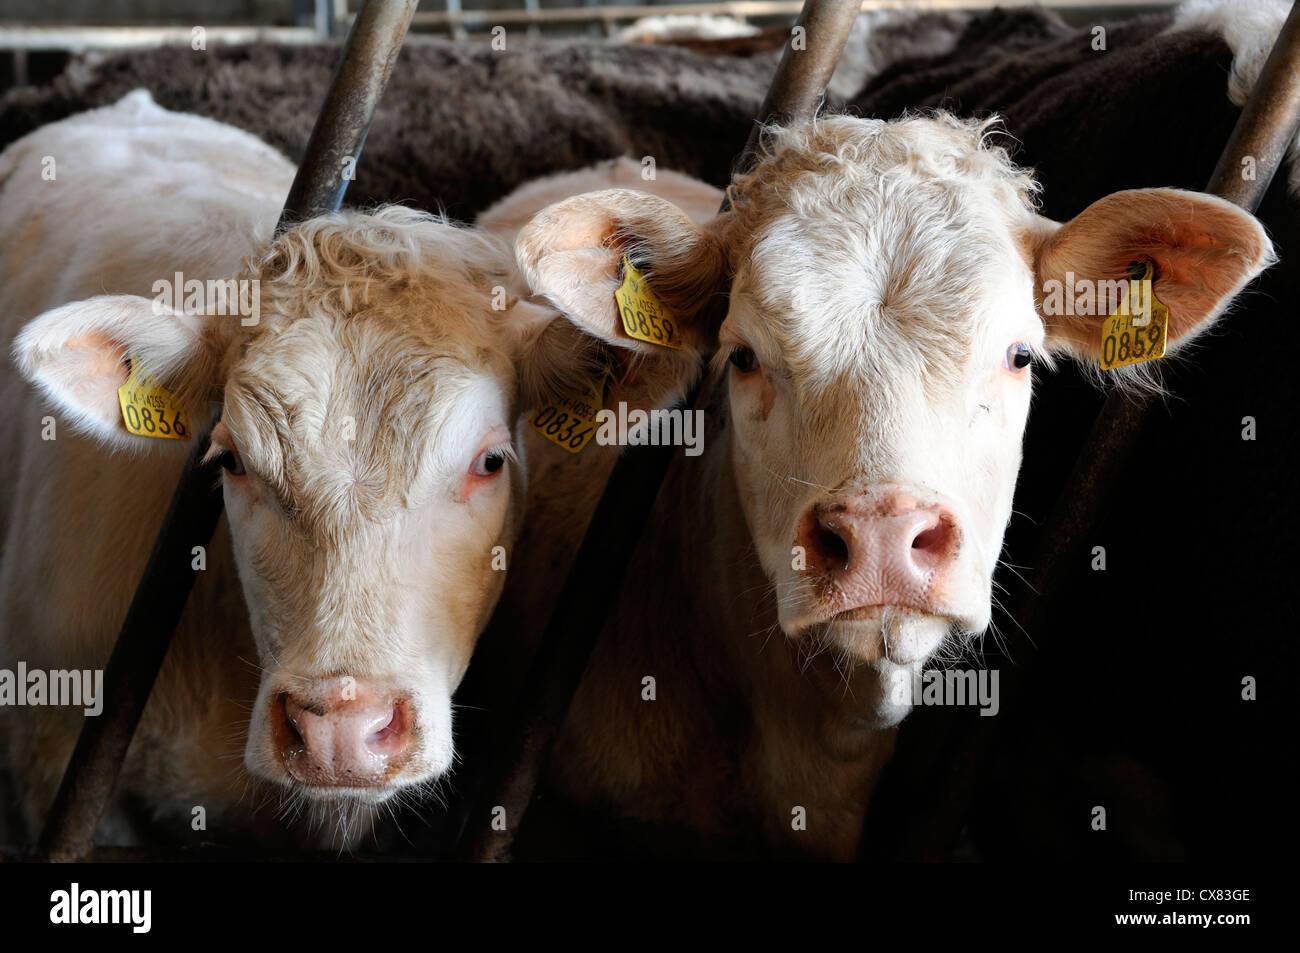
column 743, row 359
column 489, row 462
column 231, row 462
column 1018, row 357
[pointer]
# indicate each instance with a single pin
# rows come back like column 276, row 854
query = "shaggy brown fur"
column 459, row 126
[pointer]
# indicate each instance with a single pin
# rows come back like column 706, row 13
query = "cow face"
column 368, row 468
column 878, row 390
column 888, row 295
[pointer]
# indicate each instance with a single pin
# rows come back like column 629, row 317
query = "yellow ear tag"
column 1139, row 328
column 148, row 410
column 644, row 315
column 569, row 421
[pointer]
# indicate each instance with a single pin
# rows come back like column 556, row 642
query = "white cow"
column 372, row 368
column 877, row 296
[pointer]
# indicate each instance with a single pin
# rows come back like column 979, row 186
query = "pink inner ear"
column 100, row 355
column 581, row 282
column 92, row 367
column 576, row 224
column 1195, row 277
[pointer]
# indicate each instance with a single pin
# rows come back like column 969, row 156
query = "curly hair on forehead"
column 400, row 273
column 814, row 167
column 335, row 265
column 857, row 235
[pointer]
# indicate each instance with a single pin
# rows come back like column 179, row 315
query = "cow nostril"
column 383, row 734
column 832, row 546
column 935, row 546
column 930, row 538
column 394, row 736
column 288, row 724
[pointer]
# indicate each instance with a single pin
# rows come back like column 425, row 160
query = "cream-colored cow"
column 877, row 296
column 372, row 368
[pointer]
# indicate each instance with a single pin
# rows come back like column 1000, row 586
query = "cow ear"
column 78, row 355
column 575, row 255
column 1204, row 249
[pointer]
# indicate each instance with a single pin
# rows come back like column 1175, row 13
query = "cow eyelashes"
column 1018, row 357
column 231, row 462
column 743, row 359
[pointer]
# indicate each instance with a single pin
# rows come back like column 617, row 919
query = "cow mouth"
column 865, row 613
column 372, row 793
column 897, row 634
column 882, row 614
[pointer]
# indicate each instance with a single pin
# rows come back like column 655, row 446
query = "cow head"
column 368, row 464
column 888, row 297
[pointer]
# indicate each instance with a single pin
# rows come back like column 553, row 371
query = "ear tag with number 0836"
column 569, row 421
column 644, row 316
column 148, row 409
column 1139, row 328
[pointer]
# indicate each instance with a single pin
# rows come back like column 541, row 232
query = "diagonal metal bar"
column 519, row 754
column 368, row 57
column 927, row 790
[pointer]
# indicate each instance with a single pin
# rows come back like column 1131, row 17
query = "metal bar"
column 1268, row 123
column 340, row 131
column 563, row 15
column 533, row 7
column 587, row 599
column 737, row 8
column 323, row 20
column 77, row 38
column 21, row 76
column 803, row 73
column 454, row 22
column 137, row 656
column 942, row 781
column 318, row 187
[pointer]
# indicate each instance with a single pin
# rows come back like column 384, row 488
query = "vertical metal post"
column 519, row 754
column 324, row 19
column 925, row 795
column 340, row 131
column 533, row 6
column 316, row 14
column 454, row 24
column 807, row 64
column 318, row 187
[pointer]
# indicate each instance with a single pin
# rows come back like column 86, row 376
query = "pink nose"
column 341, row 742
column 881, row 547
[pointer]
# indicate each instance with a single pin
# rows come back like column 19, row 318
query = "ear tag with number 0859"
column 148, row 409
column 1139, row 328
column 644, row 316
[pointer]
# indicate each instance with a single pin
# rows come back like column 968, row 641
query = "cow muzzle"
column 882, row 565
column 338, row 734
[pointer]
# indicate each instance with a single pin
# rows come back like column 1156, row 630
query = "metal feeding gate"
column 919, row 808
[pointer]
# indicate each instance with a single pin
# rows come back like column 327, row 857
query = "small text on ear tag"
column 569, row 421
column 1139, row 328
column 148, row 410
column 644, row 315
